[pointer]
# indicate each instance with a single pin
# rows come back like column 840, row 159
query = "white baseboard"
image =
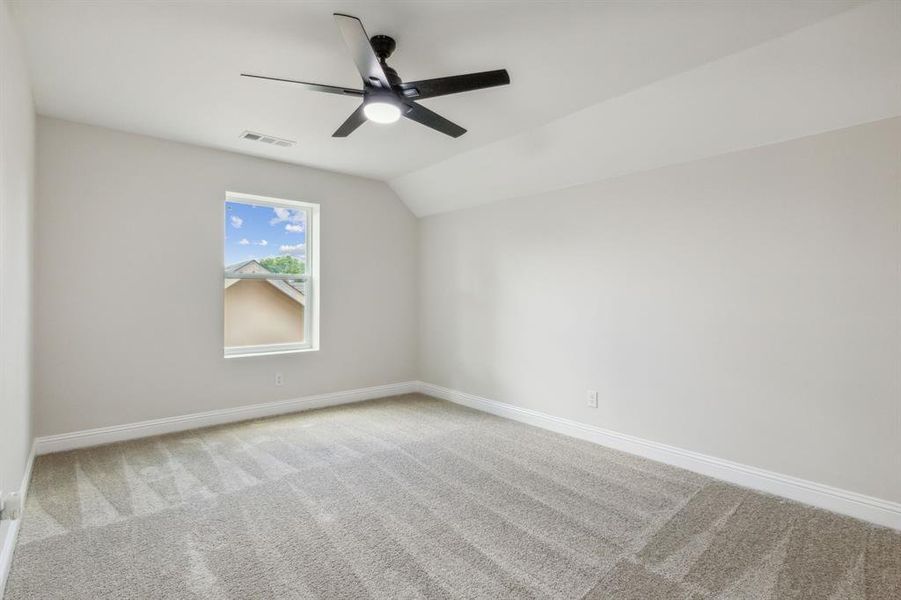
column 866, row 508
column 130, row 431
column 9, row 529
column 26, row 477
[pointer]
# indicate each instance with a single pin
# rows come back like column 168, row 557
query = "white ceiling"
column 170, row 69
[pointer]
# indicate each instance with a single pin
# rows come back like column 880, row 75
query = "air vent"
column 267, row 139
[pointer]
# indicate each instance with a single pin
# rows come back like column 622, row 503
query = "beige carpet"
column 417, row 498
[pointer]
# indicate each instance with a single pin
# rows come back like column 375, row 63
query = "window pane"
column 264, row 311
column 273, row 236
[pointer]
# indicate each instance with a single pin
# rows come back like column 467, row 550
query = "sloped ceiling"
column 598, row 89
column 837, row 73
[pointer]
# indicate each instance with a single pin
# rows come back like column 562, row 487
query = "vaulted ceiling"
column 598, row 89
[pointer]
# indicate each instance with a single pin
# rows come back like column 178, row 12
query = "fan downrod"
column 383, row 46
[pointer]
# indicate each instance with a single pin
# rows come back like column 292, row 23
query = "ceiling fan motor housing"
column 383, row 46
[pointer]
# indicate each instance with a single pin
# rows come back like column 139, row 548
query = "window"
column 271, row 275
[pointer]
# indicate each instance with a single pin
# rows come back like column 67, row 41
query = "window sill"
column 273, row 352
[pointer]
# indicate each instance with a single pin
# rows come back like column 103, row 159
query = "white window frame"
column 310, row 278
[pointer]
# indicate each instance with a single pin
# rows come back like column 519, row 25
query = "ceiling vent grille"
column 267, row 139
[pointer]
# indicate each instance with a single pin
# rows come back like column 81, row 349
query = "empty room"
column 574, row 300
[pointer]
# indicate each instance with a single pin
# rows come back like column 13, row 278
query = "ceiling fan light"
column 381, row 112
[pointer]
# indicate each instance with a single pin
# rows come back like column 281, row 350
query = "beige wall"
column 16, row 224
column 129, row 296
column 746, row 306
column 257, row 313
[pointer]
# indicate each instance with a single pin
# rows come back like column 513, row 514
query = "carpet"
column 411, row 497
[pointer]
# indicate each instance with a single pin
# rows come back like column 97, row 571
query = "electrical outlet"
column 593, row 398
column 279, row 379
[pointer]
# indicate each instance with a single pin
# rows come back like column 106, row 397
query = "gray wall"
column 746, row 306
column 128, row 322
column 16, row 224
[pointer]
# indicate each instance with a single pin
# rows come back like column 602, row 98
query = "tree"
column 284, row 264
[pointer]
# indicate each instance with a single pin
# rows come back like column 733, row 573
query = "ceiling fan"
column 386, row 98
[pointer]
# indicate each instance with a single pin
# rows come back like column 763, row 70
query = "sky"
column 261, row 231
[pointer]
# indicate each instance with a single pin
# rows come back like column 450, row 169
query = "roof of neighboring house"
column 292, row 289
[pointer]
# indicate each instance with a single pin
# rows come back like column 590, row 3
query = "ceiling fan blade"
column 361, row 49
column 424, row 116
column 316, row 87
column 442, row 86
column 355, row 119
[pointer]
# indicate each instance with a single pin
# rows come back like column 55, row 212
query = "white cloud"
column 237, row 222
column 296, row 250
column 294, row 227
column 262, row 243
column 283, row 215
column 244, row 242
